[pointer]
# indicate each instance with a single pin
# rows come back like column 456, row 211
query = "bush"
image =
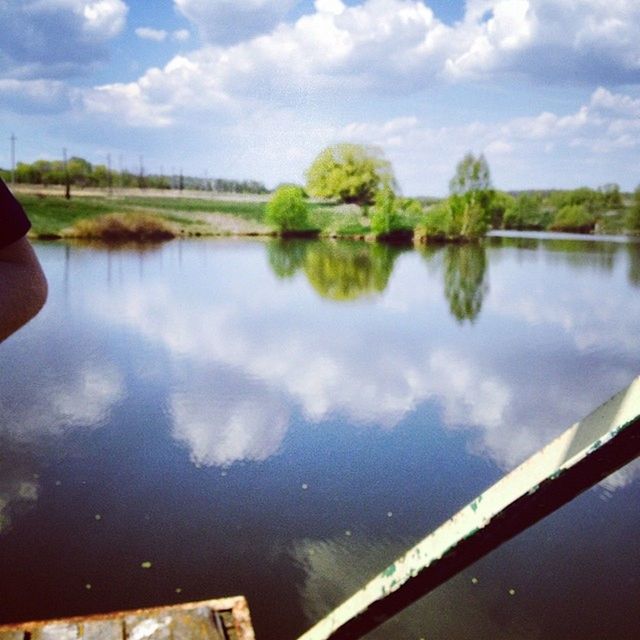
column 526, row 213
column 497, row 207
column 347, row 224
column 123, row 227
column 385, row 217
column 387, row 222
column 288, row 210
column 573, row 217
column 456, row 218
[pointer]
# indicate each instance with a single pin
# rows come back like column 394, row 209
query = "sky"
column 548, row 90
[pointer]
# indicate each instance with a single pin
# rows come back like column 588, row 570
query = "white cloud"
column 147, row 33
column 587, row 41
column 106, row 18
column 618, row 105
column 360, row 47
column 604, row 125
column 37, row 96
column 161, row 35
column 229, row 21
column 57, row 37
column 335, row 7
column 482, row 44
column 184, row 85
column 181, row 35
column 387, row 46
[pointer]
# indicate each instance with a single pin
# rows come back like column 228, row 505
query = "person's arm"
column 23, row 287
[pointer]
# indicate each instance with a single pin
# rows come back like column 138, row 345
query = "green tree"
column 351, row 173
column 438, row 222
column 288, row 210
column 472, row 176
column 632, row 219
column 499, row 205
column 388, row 219
column 611, row 196
column 589, row 199
column 471, row 197
column 79, row 171
column 526, row 213
column 573, row 217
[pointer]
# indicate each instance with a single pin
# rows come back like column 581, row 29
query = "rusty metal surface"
column 583, row 455
column 219, row 619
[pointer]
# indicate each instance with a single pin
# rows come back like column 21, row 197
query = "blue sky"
column 549, row 90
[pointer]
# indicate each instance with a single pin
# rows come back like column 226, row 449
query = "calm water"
column 282, row 420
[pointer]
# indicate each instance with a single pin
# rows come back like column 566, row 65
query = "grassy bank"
column 52, row 216
column 141, row 215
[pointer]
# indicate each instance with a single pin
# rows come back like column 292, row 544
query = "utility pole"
column 109, row 176
column 13, row 158
column 67, row 185
column 141, row 176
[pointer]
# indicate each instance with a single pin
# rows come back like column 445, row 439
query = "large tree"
column 352, row 173
column 472, row 176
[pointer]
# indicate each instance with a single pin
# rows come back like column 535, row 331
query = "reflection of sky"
column 240, row 358
column 149, row 371
column 515, row 381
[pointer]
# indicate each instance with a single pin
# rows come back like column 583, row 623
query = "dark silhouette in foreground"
column 23, row 287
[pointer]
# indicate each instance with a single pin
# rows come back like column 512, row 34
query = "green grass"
column 249, row 210
column 51, row 214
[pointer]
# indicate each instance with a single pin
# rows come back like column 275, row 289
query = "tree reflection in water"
column 347, row 271
column 634, row 263
column 337, row 271
column 464, row 280
column 286, row 257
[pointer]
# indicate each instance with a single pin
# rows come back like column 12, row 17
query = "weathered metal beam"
column 188, row 621
column 583, row 455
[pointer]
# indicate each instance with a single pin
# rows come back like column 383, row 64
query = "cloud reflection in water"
column 375, row 363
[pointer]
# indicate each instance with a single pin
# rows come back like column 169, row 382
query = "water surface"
column 281, row 420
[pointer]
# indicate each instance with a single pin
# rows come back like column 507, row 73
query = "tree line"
column 361, row 175
column 82, row 174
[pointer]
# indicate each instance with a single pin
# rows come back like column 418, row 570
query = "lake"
column 280, row 420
